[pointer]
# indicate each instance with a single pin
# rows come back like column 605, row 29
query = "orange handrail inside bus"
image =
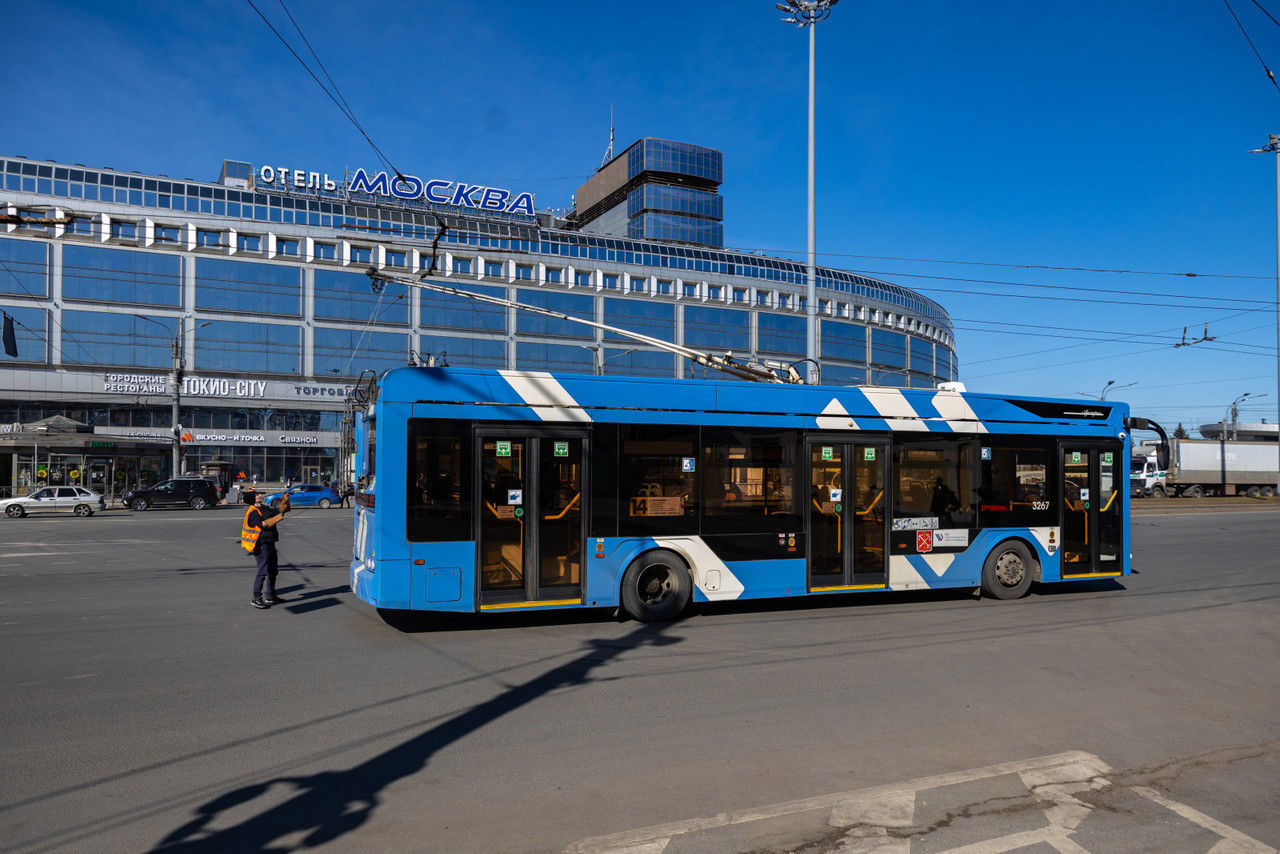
column 566, row 509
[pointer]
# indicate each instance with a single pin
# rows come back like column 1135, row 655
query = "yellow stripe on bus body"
column 1092, row 575
column 849, row 587
column 543, row 604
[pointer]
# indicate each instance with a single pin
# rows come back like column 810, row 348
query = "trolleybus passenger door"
column 531, row 518
column 847, row 515
column 1093, row 492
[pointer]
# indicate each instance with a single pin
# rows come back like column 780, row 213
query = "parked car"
column 55, row 499
column 306, row 495
column 193, row 492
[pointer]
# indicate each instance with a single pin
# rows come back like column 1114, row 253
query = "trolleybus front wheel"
column 1008, row 570
column 656, row 587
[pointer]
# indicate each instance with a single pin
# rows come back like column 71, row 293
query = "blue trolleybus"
column 487, row 491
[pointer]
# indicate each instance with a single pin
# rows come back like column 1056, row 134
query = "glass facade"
column 245, row 286
column 339, row 351
column 121, row 340
column 24, row 268
column 680, row 158
column 252, row 348
column 347, row 296
column 325, row 319
column 101, row 274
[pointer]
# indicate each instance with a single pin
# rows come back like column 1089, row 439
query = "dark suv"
column 195, row 493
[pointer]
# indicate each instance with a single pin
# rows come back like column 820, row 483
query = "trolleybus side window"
column 934, row 483
column 658, row 480
column 748, row 484
column 439, row 488
column 1015, row 487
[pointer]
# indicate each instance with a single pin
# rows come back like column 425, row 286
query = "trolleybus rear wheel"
column 656, row 587
column 1007, row 571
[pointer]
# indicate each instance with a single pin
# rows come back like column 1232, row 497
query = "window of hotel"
column 716, row 329
column 395, row 259
column 636, row 284
column 79, row 225
column 121, row 275
column 714, row 292
column 689, row 289
column 166, row 234
column 123, row 340
column 577, row 305
column 460, row 265
column 843, row 341
column 466, row 352
column 888, row 348
column 246, row 286
column 921, row 356
column 493, row 269
column 638, row 363
column 361, row 254
column 654, row 319
column 739, row 294
column 450, row 312
column 351, row 351
column 524, row 271
column 582, row 280
column 783, row 300
column 30, row 333
column 780, row 333
column 538, row 356
column 346, row 296
column 25, row 264
column 254, row 348
column 286, row 247
column 664, row 288
column 248, row 242
column 554, row 275
column 205, row 237
column 610, row 282
column 762, row 297
column 124, row 230
column 326, row 251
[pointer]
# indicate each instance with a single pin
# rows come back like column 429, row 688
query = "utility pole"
column 1273, row 147
column 807, row 13
column 179, row 374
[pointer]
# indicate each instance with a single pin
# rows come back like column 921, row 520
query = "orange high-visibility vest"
column 249, row 535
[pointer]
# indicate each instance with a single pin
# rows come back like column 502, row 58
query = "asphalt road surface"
column 147, row 707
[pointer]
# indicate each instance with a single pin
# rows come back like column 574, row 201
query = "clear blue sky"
column 1100, row 135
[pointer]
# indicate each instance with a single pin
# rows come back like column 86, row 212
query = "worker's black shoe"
column 258, row 603
column 272, row 600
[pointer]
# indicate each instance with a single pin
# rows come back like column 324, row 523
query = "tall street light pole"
column 807, row 13
column 1273, row 146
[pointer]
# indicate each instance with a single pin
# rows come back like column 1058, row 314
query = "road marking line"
column 1234, row 840
column 628, row 841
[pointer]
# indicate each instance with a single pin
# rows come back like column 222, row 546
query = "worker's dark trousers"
column 268, row 567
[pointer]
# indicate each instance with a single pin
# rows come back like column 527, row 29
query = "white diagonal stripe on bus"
column 545, row 395
column 959, row 415
column 835, row 417
column 893, row 407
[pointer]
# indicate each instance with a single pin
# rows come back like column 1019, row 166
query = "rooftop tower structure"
column 656, row 190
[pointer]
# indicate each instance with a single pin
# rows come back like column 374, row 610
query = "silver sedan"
column 54, row 499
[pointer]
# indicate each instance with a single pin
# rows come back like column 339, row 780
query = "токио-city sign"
column 437, row 191
column 191, row 386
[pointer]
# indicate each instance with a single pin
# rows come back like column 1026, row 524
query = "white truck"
column 1200, row 467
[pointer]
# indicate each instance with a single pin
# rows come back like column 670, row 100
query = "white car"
column 55, row 499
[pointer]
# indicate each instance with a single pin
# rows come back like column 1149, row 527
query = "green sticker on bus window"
column 1075, row 456
column 1106, row 458
column 868, row 453
column 828, row 452
column 562, row 449
column 504, row 449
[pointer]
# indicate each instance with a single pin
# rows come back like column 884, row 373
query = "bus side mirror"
column 1162, row 450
